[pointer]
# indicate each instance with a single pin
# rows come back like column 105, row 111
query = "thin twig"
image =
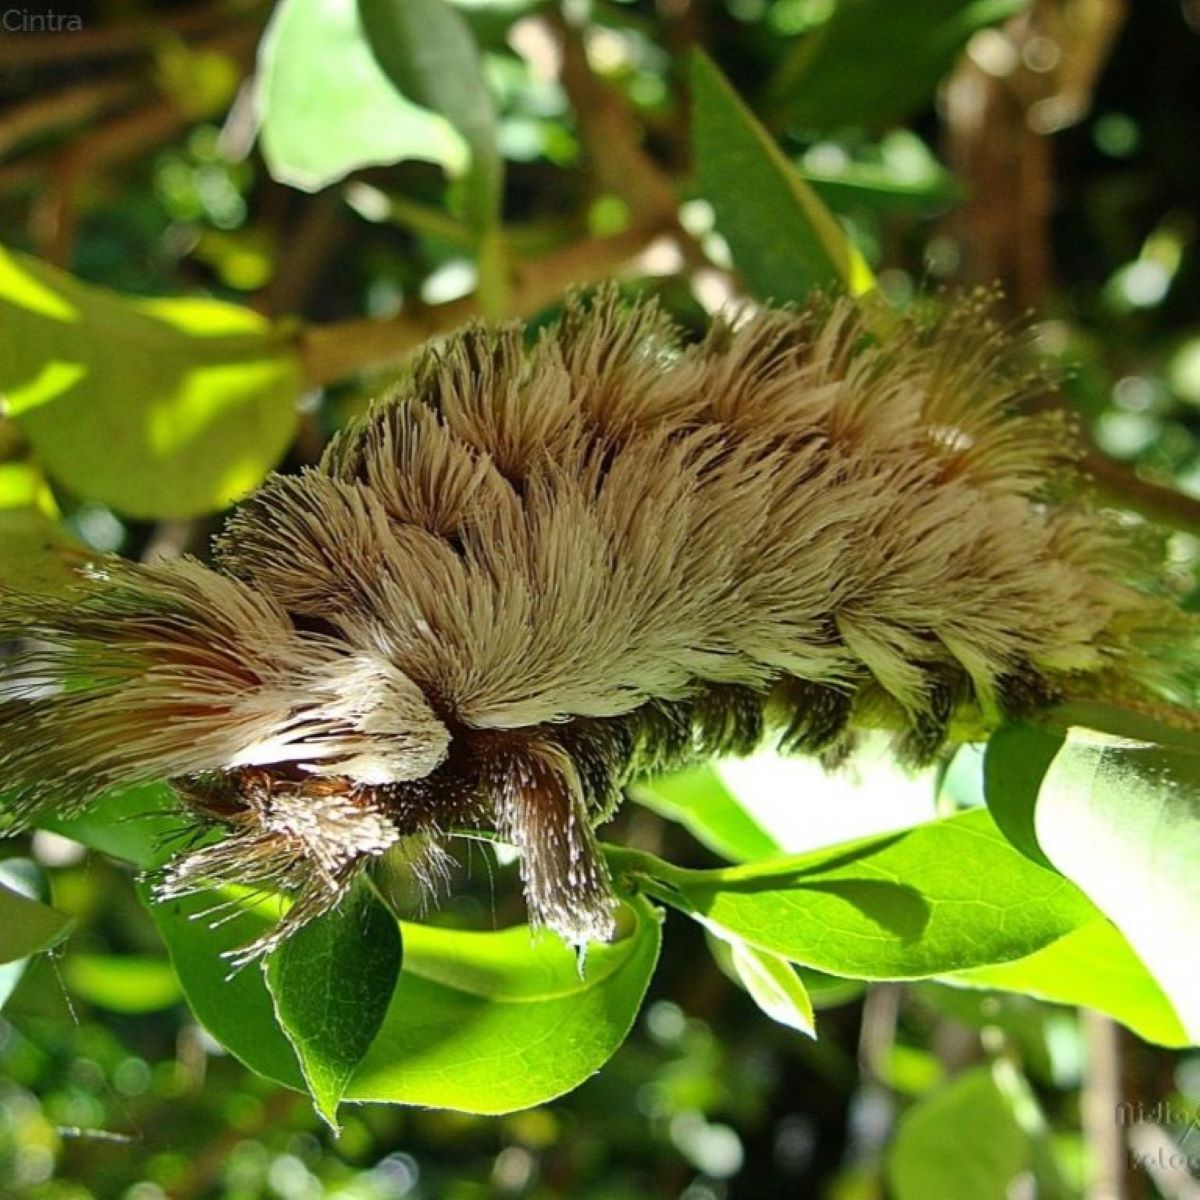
column 1123, row 487
column 45, row 113
column 610, row 135
column 1099, row 1105
column 335, row 351
column 53, row 218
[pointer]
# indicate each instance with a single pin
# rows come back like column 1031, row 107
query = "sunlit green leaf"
column 770, row 981
column 784, row 240
column 801, row 806
column 766, row 804
column 942, row 896
column 481, row 1022
column 332, row 982
column 128, row 983
column 327, row 107
column 1093, row 966
column 493, row 1022
column 234, row 1006
column 1118, row 811
column 698, row 800
column 159, row 408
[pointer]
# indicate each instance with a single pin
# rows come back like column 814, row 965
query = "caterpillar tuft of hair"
column 536, row 571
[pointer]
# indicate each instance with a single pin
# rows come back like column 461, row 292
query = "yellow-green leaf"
column 785, row 242
column 159, row 408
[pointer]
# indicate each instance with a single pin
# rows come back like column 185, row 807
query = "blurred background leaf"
column 161, row 408
column 327, row 107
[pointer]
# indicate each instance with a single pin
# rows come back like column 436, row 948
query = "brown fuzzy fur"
column 531, row 573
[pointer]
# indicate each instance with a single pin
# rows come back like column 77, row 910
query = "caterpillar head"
column 302, row 744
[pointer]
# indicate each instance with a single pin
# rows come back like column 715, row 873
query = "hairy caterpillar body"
column 534, row 572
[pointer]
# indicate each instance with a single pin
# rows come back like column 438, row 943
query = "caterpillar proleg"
column 535, row 571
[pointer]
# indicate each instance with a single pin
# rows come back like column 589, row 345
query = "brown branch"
column 1124, row 488
column 53, row 218
column 24, row 176
column 23, row 51
column 312, row 241
column 610, row 135
column 44, row 114
column 332, row 352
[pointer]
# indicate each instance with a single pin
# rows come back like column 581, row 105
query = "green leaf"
column 875, row 62
column 480, row 1022
column 128, row 983
column 1118, row 812
column 159, row 408
column 28, row 926
column 1015, row 763
column 802, row 806
column 942, row 896
column 35, row 553
column 235, row 1007
column 331, row 983
column 326, row 106
column 964, row 1140
column 699, row 801
column 784, row 240
column 25, row 878
column 770, row 981
column 766, row 804
column 429, row 53
column 495, row 1022
column 141, row 825
column 1092, row 966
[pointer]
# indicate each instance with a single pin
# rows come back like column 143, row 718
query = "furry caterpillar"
column 534, row 572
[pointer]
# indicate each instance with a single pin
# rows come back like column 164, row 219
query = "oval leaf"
column 331, row 983
column 495, row 1022
column 235, row 1008
column 326, row 107
column 159, row 408
column 785, row 242
column 27, row 926
column 773, row 984
column 429, row 53
column 1015, row 763
column 480, row 1022
column 1118, row 812
column 942, row 896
